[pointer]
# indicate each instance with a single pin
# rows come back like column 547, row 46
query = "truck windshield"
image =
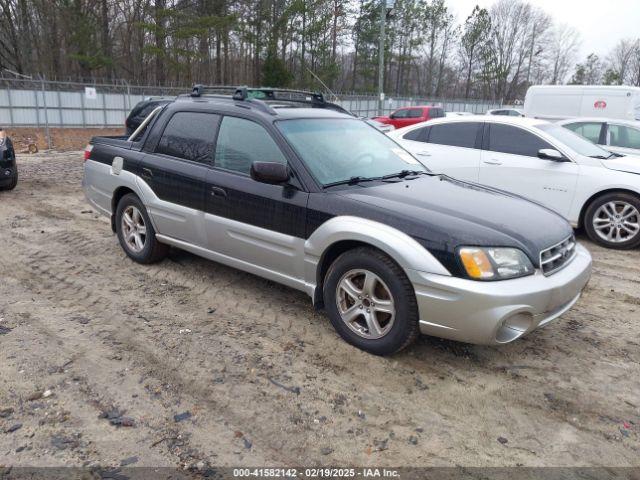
column 337, row 150
column 575, row 142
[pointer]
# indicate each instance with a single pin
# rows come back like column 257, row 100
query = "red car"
column 405, row 116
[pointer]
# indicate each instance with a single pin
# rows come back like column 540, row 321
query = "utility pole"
column 383, row 21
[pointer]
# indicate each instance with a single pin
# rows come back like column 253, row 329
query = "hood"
column 628, row 163
column 444, row 214
column 383, row 119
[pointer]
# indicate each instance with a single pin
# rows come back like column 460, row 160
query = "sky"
column 601, row 23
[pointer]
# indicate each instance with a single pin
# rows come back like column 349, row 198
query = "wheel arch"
column 599, row 194
column 115, row 199
column 344, row 233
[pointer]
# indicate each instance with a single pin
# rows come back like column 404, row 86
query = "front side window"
column 242, row 142
column 189, row 135
column 573, row 141
column 624, row 137
column 514, row 140
column 588, row 130
column 415, row 113
column 400, row 114
column 336, row 150
column 461, row 134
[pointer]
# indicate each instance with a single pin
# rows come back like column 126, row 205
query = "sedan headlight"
column 495, row 263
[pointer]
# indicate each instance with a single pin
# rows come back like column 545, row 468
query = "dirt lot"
column 98, row 355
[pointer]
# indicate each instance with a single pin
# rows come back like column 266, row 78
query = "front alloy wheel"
column 370, row 301
column 365, row 304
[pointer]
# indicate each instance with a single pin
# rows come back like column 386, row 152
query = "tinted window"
column 624, row 137
column 415, row 113
column 575, row 142
column 461, row 134
column 189, row 135
column 400, row 114
column 417, row 135
column 588, row 130
column 514, row 113
column 242, row 142
column 514, row 140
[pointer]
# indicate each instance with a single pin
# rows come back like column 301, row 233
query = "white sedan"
column 619, row 136
column 539, row 160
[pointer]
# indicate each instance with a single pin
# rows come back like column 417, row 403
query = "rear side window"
column 514, row 140
column 417, row 135
column 459, row 134
column 624, row 137
column 588, row 130
column 190, row 135
column 242, row 142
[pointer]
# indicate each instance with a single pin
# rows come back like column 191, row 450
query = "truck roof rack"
column 267, row 94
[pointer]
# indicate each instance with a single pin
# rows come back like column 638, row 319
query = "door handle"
column 492, row 162
column 147, row 174
column 218, row 192
column 424, row 154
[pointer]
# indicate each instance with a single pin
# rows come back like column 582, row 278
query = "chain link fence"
column 43, row 104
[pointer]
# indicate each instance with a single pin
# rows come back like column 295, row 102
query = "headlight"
column 495, row 263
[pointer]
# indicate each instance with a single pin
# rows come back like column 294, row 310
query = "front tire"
column 613, row 221
column 371, row 302
column 136, row 233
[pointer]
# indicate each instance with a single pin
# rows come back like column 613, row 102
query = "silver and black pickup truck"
column 303, row 194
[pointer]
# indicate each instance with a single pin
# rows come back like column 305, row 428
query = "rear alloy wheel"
column 614, row 221
column 371, row 302
column 135, row 232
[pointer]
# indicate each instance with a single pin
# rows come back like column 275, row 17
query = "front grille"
column 557, row 257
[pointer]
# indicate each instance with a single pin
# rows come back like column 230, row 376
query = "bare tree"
column 563, row 48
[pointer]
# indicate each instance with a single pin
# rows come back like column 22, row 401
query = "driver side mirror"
column 552, row 154
column 273, row 173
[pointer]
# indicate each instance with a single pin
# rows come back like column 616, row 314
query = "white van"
column 558, row 102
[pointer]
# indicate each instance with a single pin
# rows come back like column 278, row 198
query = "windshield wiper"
column 602, row 157
column 404, row 173
column 351, row 181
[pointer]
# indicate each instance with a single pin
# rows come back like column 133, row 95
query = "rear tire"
column 613, row 221
column 370, row 301
column 136, row 233
column 13, row 184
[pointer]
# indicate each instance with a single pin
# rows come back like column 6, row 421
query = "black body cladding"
column 440, row 213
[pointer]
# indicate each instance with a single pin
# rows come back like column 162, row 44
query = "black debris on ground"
column 182, row 416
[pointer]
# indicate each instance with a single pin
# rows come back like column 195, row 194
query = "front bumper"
column 499, row 312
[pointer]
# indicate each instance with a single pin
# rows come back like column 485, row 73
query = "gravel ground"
column 189, row 363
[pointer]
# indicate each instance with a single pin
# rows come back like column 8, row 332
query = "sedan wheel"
column 365, row 304
column 617, row 222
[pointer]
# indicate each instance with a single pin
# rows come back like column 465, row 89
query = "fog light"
column 514, row 327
